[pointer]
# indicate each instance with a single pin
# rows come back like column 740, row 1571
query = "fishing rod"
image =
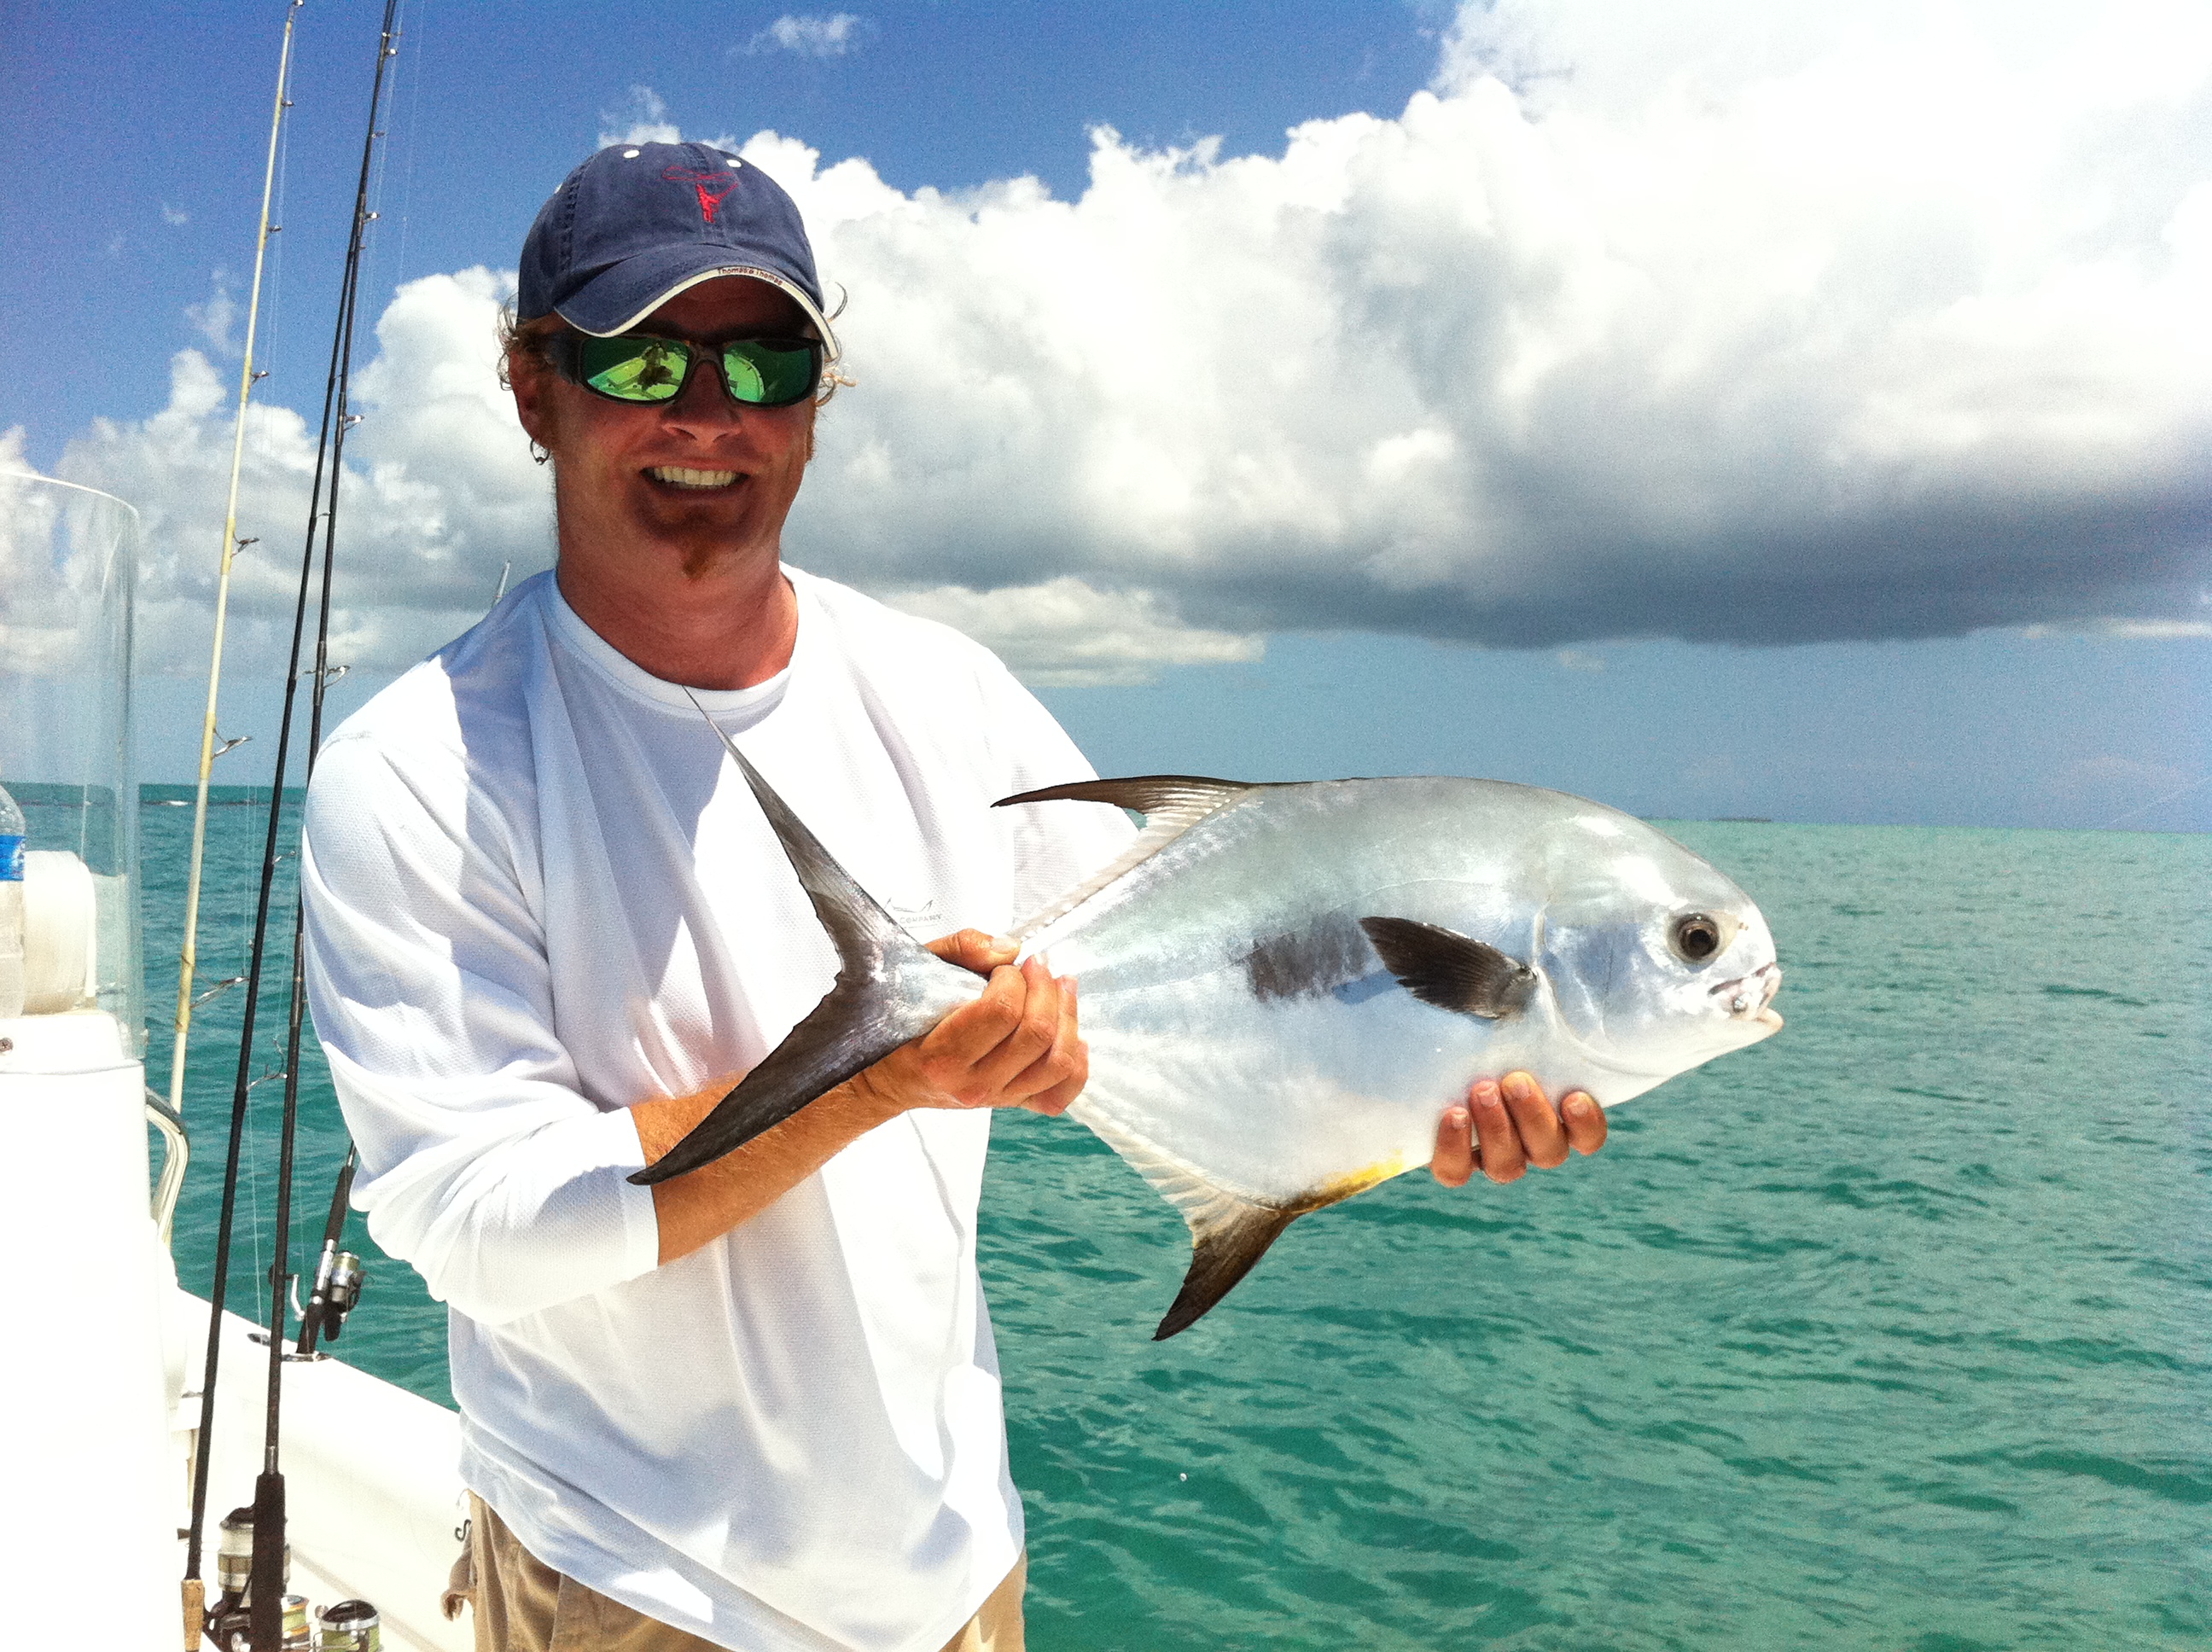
column 189, row 958
column 269, row 1544
column 266, row 1586
column 267, row 1631
column 195, row 1589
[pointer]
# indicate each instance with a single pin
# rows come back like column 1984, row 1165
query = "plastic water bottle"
column 11, row 907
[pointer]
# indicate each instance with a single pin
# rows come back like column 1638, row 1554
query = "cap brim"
column 619, row 288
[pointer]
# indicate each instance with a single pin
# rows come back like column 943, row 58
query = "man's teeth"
column 678, row 476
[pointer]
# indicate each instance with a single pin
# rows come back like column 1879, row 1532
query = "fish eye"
column 1695, row 937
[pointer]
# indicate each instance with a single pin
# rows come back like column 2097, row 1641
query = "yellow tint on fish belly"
column 1338, row 1189
column 1227, row 1235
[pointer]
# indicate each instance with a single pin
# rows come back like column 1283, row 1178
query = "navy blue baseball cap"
column 638, row 224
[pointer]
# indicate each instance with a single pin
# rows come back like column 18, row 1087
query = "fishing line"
column 2145, row 809
column 416, row 24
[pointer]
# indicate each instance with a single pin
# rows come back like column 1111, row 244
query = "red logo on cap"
column 711, row 187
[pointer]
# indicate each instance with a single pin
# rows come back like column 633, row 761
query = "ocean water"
column 1890, row 1333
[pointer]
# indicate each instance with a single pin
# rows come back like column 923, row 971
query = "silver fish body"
column 1243, row 1026
column 1285, row 985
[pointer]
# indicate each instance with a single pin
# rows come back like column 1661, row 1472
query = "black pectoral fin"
column 1226, row 1239
column 1451, row 970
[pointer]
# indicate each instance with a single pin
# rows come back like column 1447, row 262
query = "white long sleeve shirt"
column 536, row 892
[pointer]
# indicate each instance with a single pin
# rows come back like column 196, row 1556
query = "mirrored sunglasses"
column 647, row 372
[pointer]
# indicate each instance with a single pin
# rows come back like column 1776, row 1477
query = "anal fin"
column 1227, row 1236
column 1229, row 1231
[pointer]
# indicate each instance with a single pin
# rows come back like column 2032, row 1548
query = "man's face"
column 700, row 484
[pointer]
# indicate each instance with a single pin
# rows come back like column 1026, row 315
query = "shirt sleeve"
column 482, row 1163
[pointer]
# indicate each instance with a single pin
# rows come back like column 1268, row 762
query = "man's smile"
column 679, row 475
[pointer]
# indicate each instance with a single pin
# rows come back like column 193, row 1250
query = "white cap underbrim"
column 782, row 284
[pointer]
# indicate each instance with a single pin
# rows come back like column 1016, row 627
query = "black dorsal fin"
column 1451, row 970
column 1171, row 804
column 1174, row 795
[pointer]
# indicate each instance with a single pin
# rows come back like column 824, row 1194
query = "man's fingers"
column 1497, row 1142
column 1542, row 1139
column 1067, row 1055
column 1455, row 1160
column 971, row 948
column 1509, row 1124
column 1031, row 1038
column 1015, row 1043
column 1585, row 1121
column 972, row 1031
column 1066, row 1068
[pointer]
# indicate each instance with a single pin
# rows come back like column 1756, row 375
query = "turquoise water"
column 1890, row 1333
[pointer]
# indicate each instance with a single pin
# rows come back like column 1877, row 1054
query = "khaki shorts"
column 522, row 1604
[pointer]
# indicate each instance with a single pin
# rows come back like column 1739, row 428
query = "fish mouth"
column 1750, row 997
column 685, row 476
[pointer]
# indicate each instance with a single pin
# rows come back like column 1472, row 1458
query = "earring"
column 539, row 455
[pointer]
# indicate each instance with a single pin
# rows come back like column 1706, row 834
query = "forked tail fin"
column 889, row 989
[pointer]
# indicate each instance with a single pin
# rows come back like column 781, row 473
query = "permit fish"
column 1285, row 985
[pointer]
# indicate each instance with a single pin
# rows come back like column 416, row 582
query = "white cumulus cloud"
column 1064, row 632
column 811, row 36
column 215, row 317
column 646, row 118
column 1880, row 329
column 438, row 494
column 1721, row 321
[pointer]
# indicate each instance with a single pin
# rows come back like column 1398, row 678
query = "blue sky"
column 1717, row 409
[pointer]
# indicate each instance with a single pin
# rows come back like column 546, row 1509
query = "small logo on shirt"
column 925, row 922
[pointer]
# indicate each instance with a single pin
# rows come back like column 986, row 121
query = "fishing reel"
column 339, row 1275
column 338, row 1282
column 230, row 1619
column 348, row 1626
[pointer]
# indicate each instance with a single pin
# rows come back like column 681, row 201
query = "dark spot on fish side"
column 1367, row 987
column 1309, row 962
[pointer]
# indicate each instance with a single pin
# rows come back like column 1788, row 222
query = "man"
column 756, row 1406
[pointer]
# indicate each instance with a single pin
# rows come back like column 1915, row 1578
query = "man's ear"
column 530, row 379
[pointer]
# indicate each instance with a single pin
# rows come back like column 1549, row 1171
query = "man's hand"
column 1016, row 1046
column 1507, row 1125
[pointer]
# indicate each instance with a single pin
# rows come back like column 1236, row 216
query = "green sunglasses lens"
column 760, row 372
column 769, row 372
column 632, row 369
